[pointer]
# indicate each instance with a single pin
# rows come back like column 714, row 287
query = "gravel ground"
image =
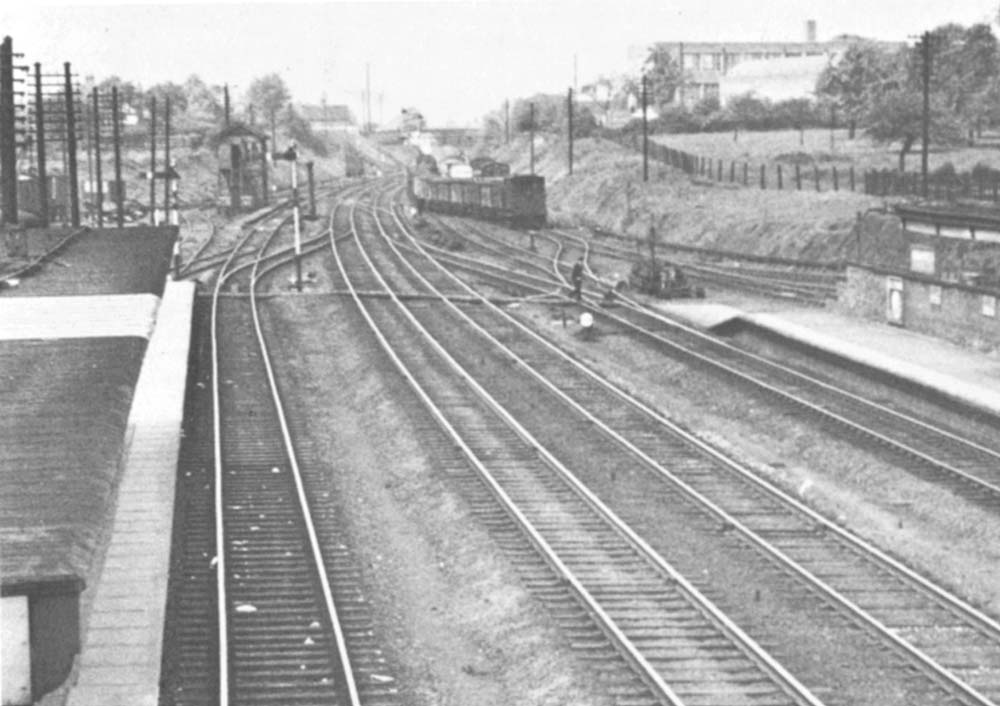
column 460, row 627
column 941, row 535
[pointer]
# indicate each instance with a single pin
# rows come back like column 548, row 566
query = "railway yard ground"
column 455, row 607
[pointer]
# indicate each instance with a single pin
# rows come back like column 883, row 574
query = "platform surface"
column 96, row 316
column 933, row 362
column 120, row 661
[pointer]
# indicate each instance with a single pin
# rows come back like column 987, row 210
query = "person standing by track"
column 576, row 276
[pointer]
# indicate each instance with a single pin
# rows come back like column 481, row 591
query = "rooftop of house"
column 327, row 113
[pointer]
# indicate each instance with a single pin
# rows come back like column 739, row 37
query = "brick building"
column 707, row 64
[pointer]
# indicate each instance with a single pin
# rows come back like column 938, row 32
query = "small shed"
column 242, row 158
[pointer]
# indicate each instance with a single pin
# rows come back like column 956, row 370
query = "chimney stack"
column 810, row 30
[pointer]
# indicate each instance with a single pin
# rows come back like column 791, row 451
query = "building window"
column 989, row 306
column 935, row 295
column 691, row 61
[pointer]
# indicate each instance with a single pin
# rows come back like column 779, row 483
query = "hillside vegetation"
column 606, row 191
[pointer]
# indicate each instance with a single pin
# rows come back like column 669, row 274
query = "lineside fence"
column 977, row 185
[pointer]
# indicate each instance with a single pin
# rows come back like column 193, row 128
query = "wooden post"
column 798, row 178
column 780, row 180
column 116, row 136
column 152, row 160
column 816, row 176
column 763, row 177
column 97, row 158
column 43, row 178
column 74, row 184
column 836, row 182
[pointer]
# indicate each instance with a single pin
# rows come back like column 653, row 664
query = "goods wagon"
column 516, row 200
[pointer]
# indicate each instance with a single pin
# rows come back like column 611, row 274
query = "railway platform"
column 80, row 337
column 120, row 660
column 959, row 373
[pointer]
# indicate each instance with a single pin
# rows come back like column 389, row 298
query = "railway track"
column 266, row 606
column 965, row 464
column 685, row 651
column 950, row 641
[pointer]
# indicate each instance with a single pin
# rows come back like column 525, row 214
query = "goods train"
column 516, row 200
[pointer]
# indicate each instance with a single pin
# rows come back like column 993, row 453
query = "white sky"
column 454, row 60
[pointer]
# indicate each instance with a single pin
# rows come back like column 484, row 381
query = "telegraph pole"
column 152, row 160
column 225, row 101
column 8, row 133
column 569, row 113
column 166, row 160
column 368, row 97
column 43, row 177
column 506, row 121
column 925, row 51
column 531, row 127
column 98, row 177
column 119, row 186
column 74, row 184
column 645, row 134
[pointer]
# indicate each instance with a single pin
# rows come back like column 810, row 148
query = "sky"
column 454, row 60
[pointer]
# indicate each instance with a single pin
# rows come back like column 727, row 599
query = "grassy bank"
column 606, row 190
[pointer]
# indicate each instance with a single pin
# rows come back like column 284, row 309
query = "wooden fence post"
column 816, row 176
column 836, row 182
column 746, row 174
column 798, row 178
column 719, row 171
column 732, row 178
column 852, row 177
column 763, row 177
column 779, row 178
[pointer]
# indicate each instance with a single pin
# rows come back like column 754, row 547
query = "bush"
column 945, row 171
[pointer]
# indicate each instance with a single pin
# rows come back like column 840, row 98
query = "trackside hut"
column 242, row 159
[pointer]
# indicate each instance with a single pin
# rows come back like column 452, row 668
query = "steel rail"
column 304, row 506
column 787, row 682
column 942, row 674
column 965, row 476
column 665, row 691
column 220, row 546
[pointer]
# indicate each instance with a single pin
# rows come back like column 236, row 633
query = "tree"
column 202, row 100
column 855, row 80
column 897, row 116
column 796, row 113
column 748, row 112
column 269, row 94
column 964, row 70
column 664, row 75
column 129, row 94
column 173, row 91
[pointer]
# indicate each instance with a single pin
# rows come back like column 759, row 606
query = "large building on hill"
column 772, row 70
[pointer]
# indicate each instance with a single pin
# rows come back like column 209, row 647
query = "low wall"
column 966, row 315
